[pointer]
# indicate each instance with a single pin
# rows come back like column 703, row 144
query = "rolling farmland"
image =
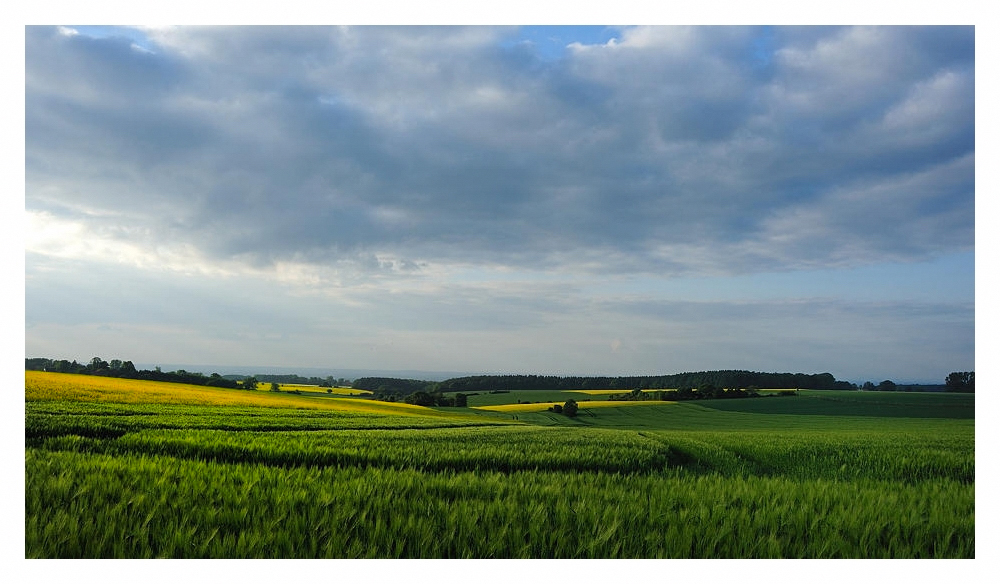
column 134, row 469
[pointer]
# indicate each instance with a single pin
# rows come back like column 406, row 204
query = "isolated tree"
column 887, row 385
column 569, row 408
column 275, row 386
column 250, row 383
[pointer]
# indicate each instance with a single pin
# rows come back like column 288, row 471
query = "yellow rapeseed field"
column 544, row 406
column 40, row 385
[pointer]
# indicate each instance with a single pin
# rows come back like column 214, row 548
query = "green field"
column 818, row 475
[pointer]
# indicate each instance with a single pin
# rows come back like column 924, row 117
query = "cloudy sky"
column 554, row 200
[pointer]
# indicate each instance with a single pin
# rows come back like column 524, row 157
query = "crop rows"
column 506, row 450
column 55, row 418
column 896, row 457
column 157, row 506
column 891, row 456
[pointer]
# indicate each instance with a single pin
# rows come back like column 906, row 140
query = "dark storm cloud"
column 670, row 150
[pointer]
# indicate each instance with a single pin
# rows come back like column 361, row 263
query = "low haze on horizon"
column 542, row 200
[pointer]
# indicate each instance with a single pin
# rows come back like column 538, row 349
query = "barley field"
column 117, row 469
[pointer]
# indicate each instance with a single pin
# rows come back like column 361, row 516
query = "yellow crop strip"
column 313, row 389
column 544, row 406
column 43, row 386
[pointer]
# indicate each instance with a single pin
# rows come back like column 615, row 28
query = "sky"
column 580, row 200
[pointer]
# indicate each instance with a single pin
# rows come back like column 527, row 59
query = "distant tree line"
column 959, row 381
column 706, row 391
column 127, row 370
column 733, row 379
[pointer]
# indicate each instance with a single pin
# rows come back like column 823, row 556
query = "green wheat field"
column 132, row 469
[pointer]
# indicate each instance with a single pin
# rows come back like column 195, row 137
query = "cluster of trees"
column 127, row 370
column 96, row 366
column 963, row 381
column 436, row 398
column 724, row 378
column 886, row 385
column 567, row 409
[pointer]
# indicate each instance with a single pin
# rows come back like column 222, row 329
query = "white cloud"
column 931, row 110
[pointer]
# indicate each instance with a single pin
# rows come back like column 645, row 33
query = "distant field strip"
column 610, row 391
column 584, row 405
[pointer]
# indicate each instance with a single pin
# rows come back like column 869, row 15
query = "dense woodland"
column 734, row 379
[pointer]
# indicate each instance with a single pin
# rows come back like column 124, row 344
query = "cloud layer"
column 668, row 150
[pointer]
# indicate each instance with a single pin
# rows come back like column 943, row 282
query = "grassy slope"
column 748, row 416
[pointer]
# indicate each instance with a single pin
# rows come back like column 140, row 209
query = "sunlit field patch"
column 44, row 386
